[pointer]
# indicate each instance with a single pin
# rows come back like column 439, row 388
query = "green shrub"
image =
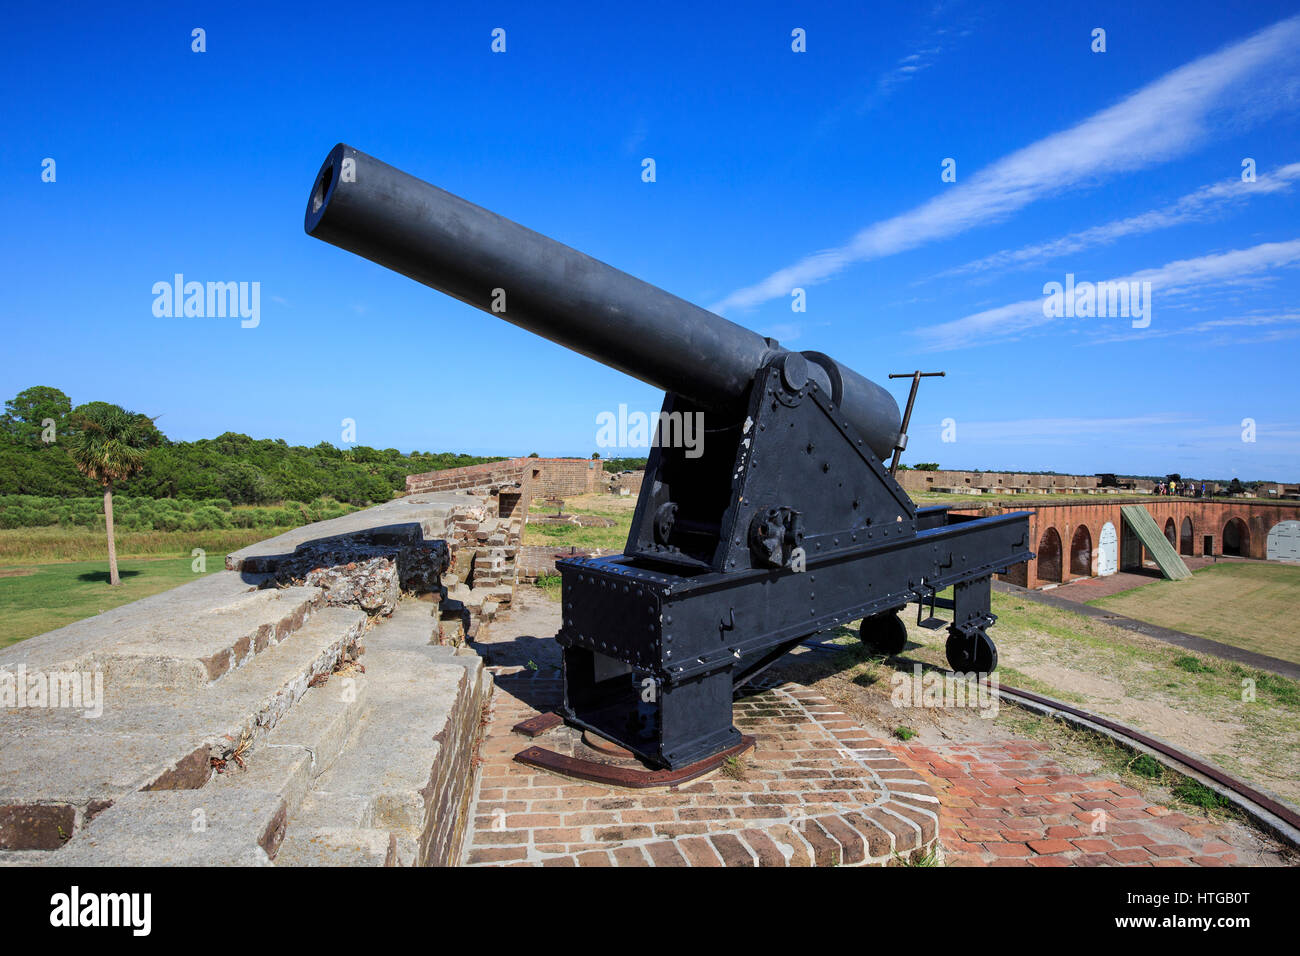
column 1147, row 766
column 1193, row 665
column 1199, row 795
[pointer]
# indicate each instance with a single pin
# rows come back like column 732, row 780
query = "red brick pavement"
column 816, row 790
column 1011, row 804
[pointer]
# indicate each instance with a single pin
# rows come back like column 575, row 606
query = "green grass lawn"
column 25, row 546
column 572, row 535
column 36, row 598
column 1251, row 605
column 615, row 507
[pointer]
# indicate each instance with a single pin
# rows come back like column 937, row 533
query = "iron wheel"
column 884, row 633
column 972, row 652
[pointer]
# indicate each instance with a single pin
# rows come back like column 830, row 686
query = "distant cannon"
column 788, row 525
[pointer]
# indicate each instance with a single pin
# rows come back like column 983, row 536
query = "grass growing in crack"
column 904, row 733
column 929, row 858
column 734, row 768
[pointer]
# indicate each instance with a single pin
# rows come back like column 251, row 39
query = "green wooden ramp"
column 1162, row 552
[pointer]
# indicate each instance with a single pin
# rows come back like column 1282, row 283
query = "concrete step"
column 413, row 624
column 266, row 693
column 339, row 846
column 304, row 743
column 159, row 738
column 208, row 827
column 221, row 666
column 195, row 648
column 407, row 769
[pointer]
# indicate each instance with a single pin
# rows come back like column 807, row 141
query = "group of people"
column 1187, row 489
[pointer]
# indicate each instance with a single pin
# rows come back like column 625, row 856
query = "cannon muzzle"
column 405, row 224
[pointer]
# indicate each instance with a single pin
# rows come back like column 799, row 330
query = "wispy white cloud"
column 1180, row 278
column 1158, row 122
column 1259, row 326
column 906, row 68
column 941, row 29
column 1199, row 205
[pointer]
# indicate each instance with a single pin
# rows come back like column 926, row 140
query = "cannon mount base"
column 783, row 525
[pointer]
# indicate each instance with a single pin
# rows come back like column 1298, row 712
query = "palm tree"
column 108, row 446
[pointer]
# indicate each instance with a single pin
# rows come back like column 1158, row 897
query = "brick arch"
column 1235, row 538
column 1171, row 532
column 1049, row 556
column 1081, row 552
column 1187, row 537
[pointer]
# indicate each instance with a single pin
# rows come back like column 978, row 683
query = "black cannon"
column 788, row 524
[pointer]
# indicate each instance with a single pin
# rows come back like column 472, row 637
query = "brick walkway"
column 816, row 790
column 1011, row 804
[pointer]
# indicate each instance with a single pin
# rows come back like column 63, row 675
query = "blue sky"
column 775, row 170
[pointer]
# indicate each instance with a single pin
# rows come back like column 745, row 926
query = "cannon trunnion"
column 785, row 524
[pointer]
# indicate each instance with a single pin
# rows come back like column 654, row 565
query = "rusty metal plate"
column 536, row 726
column 629, row 777
column 605, row 746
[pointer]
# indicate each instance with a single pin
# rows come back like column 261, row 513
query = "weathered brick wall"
column 1077, row 527
column 471, row 476
column 991, row 482
column 451, row 786
column 508, row 483
column 544, row 477
column 567, row 477
column 995, row 481
column 485, row 542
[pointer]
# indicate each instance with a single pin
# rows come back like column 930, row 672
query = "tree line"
column 40, row 425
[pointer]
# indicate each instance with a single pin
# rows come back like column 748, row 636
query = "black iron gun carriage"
column 787, row 525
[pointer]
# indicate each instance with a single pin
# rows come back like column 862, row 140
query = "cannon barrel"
column 367, row 207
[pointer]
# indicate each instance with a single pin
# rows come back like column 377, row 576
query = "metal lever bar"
column 907, row 415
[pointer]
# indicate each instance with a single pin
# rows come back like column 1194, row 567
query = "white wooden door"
column 1284, row 541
